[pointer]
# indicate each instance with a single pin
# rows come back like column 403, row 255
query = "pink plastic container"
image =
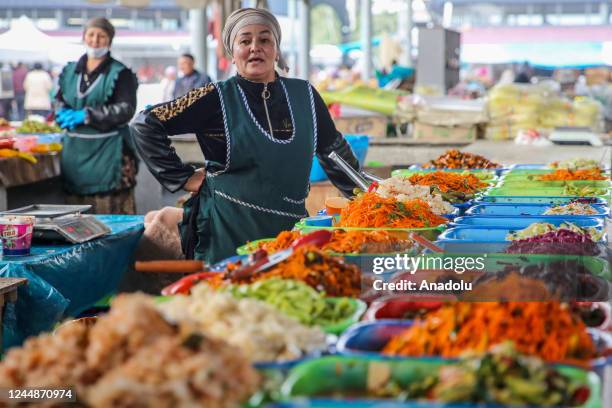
column 25, row 143
column 16, row 234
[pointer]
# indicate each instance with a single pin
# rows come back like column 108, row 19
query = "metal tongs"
column 361, row 179
column 365, row 181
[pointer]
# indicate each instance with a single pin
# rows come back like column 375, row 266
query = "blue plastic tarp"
column 64, row 280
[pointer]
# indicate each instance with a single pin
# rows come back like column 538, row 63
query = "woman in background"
column 97, row 96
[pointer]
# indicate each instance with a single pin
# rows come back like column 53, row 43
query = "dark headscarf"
column 103, row 24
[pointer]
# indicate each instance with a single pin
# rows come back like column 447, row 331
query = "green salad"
column 296, row 299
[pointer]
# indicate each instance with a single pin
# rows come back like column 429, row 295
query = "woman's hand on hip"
column 194, row 182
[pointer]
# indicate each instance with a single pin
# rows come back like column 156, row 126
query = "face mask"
column 96, row 52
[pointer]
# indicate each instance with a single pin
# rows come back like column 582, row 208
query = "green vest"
column 262, row 188
column 91, row 160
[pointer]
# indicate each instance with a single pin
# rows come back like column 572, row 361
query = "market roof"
column 77, row 4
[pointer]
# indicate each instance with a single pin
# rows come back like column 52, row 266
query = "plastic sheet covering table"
column 64, row 280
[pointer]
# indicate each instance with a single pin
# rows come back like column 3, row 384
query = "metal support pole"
column 604, row 13
column 405, row 34
column 366, row 39
column 292, row 60
column 59, row 17
column 304, row 44
column 198, row 31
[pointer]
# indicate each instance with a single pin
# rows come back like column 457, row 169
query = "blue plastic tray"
column 284, row 365
column 457, row 212
column 222, row 265
column 368, row 339
column 549, row 200
column 517, row 223
column 475, row 234
column 50, row 137
column 534, row 167
column 526, row 210
column 463, row 207
column 498, row 170
column 474, row 247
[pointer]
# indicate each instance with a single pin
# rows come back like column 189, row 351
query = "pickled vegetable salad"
column 541, row 228
column 571, row 209
column 501, row 376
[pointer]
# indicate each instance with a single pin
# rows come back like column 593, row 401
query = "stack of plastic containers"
column 521, row 199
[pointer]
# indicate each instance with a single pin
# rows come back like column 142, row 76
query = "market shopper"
column 38, row 85
column 97, row 98
column 190, row 78
column 259, row 134
column 19, row 74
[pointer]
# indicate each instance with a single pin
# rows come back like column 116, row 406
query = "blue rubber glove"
column 62, row 115
column 74, row 119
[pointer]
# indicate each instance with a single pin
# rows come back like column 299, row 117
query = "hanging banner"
column 192, row 4
column 134, row 3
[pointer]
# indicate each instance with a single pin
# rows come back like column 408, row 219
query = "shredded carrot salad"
column 545, row 329
column 455, row 159
column 448, row 181
column 311, row 266
column 370, row 210
column 282, row 241
column 345, row 242
column 567, row 174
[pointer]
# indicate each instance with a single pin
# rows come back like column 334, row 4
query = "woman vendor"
column 258, row 132
column 97, row 99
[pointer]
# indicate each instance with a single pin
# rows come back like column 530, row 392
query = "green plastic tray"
column 429, row 233
column 483, row 174
column 529, row 176
column 337, row 328
column 534, row 171
column 533, row 184
column 535, row 191
column 251, row 247
column 333, row 374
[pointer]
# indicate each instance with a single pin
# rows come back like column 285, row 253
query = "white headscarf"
column 249, row 16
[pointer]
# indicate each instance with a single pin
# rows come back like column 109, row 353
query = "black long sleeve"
column 199, row 112
column 121, row 106
column 154, row 147
column 333, row 141
column 151, row 128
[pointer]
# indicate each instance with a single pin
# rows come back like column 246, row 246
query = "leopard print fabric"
column 171, row 109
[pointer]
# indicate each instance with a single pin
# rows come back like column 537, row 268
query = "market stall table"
column 16, row 172
column 405, row 152
column 64, row 280
column 8, row 293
